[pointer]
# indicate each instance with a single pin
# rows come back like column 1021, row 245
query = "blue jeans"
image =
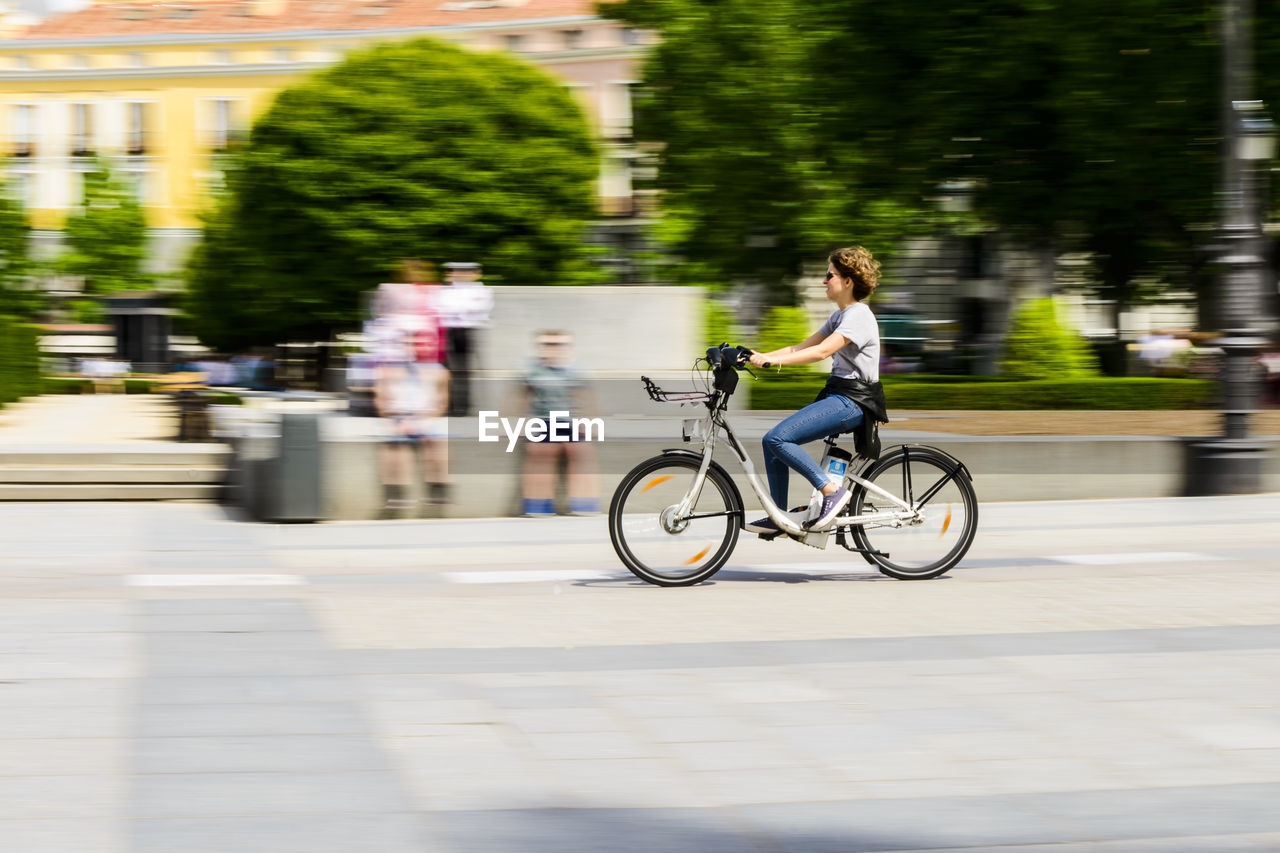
column 782, row 449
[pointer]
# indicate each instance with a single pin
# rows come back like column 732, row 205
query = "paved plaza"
column 1097, row 675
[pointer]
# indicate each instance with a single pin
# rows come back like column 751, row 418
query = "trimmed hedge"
column 81, row 385
column 64, row 385
column 1040, row 347
column 19, row 360
column 1103, row 393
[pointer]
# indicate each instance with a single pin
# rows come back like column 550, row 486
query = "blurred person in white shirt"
column 465, row 305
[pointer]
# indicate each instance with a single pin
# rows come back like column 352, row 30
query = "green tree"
column 1087, row 126
column 754, row 187
column 414, row 149
column 107, row 238
column 1084, row 126
column 229, row 305
column 17, row 296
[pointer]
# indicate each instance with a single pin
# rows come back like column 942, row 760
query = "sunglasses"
column 828, row 276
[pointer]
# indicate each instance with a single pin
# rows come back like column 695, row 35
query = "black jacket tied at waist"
column 870, row 398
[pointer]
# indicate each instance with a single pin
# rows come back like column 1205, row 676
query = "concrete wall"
column 616, row 330
column 487, row 479
column 619, row 333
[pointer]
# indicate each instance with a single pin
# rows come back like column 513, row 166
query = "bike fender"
column 958, row 464
column 734, row 494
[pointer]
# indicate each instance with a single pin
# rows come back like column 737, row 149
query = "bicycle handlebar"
column 734, row 356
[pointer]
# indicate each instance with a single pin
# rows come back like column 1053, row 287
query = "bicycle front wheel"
column 931, row 544
column 655, row 541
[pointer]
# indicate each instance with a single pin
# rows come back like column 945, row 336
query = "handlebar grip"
column 713, row 356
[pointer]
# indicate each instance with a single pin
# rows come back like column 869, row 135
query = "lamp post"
column 1232, row 463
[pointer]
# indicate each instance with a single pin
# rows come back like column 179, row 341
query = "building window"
column 615, row 187
column 630, row 35
column 79, row 60
column 572, row 39
column 138, row 183
column 24, row 130
column 223, row 57
column 23, row 188
column 616, row 118
column 22, row 63
column 224, row 127
column 81, row 130
column 136, row 128
column 282, row 54
column 135, row 59
column 514, row 42
column 79, row 185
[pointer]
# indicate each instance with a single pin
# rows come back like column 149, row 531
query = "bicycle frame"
column 714, row 422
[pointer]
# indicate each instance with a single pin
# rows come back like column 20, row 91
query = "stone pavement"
column 1096, row 676
column 88, row 419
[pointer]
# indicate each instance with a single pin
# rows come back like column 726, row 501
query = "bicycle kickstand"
column 844, row 543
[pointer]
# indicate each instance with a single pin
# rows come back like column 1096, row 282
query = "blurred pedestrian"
column 419, row 310
column 413, row 396
column 465, row 307
column 552, row 384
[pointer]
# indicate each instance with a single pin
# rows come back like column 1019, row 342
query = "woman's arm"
column 805, row 344
column 813, row 340
column 814, row 348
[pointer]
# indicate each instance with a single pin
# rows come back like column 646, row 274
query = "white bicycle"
column 674, row 519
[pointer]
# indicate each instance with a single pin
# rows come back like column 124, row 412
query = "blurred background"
column 253, row 178
column 268, row 260
column 199, row 200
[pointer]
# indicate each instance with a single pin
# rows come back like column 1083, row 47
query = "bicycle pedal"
column 815, row 539
column 769, row 537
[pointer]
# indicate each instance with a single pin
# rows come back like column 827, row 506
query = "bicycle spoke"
column 939, row 532
column 934, row 489
column 906, row 475
column 657, row 543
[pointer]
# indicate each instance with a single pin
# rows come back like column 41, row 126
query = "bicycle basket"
column 658, row 395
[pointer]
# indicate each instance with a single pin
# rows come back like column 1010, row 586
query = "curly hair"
column 857, row 264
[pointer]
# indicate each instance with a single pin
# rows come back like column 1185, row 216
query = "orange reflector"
column 698, row 556
column 656, row 481
column 946, row 522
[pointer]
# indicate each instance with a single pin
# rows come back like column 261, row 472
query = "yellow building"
column 159, row 89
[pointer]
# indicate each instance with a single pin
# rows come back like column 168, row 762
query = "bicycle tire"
column 653, row 552
column 933, row 546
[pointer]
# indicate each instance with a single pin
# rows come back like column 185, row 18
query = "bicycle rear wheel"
column 657, row 546
column 940, row 489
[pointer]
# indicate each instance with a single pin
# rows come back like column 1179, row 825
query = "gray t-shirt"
column 551, row 389
column 860, row 358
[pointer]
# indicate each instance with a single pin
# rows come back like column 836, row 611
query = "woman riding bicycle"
column 851, row 337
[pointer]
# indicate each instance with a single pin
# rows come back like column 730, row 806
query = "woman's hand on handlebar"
column 758, row 359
